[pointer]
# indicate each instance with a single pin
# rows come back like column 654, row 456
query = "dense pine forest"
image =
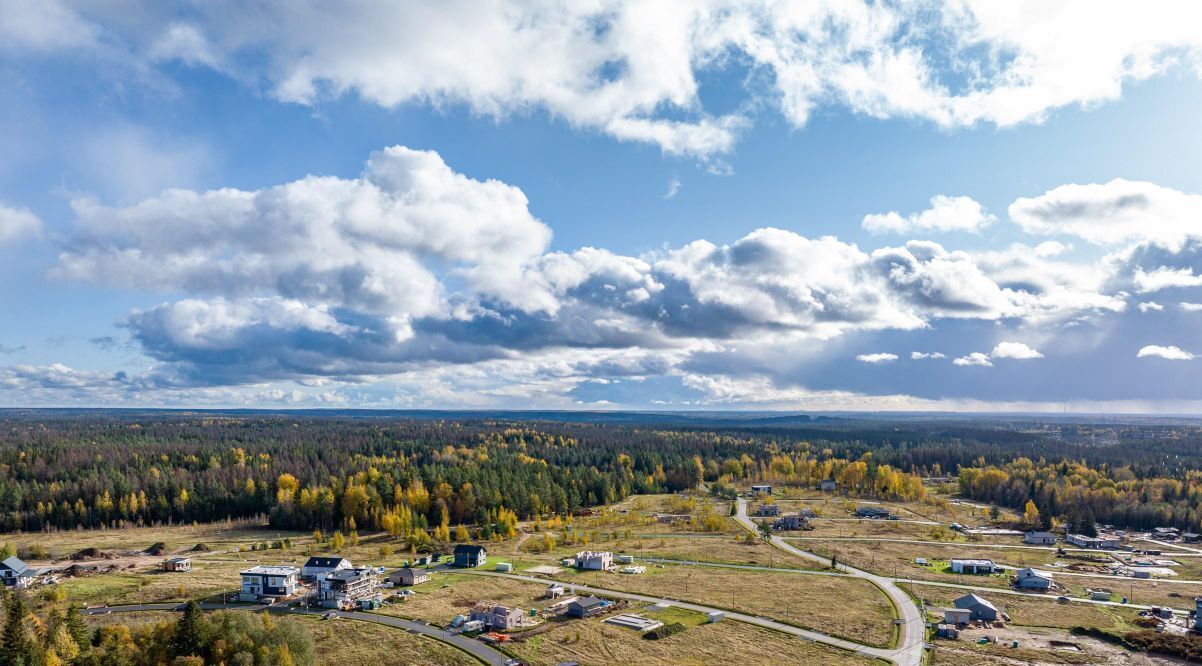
column 423, row 476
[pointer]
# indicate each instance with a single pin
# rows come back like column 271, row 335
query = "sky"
column 927, row 206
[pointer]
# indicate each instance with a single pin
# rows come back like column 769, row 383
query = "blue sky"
column 552, row 206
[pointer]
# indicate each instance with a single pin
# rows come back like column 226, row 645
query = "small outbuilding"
column 764, row 488
column 179, row 564
column 828, row 484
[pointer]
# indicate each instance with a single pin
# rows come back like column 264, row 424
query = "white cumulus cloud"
column 16, row 223
column 877, row 358
column 945, row 214
column 1170, row 352
column 1015, row 350
column 975, row 358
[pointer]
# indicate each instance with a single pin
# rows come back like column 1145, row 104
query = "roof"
column 587, row 602
column 326, row 562
column 412, row 571
column 1040, row 533
column 973, row 562
column 351, row 574
column 1035, row 572
column 13, row 562
column 468, row 549
column 970, row 600
column 180, row 559
column 262, row 570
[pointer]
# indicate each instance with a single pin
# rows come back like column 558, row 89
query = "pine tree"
column 18, row 648
column 78, row 628
column 191, row 632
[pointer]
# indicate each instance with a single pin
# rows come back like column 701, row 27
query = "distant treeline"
column 413, row 476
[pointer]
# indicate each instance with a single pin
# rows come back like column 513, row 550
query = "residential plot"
column 594, row 642
column 836, row 605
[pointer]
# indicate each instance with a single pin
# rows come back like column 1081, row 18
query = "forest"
column 420, row 477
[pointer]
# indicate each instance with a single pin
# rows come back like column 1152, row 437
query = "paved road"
column 475, row 648
column 913, row 627
column 817, row 637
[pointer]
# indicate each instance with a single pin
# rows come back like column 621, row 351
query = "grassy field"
column 356, row 642
column 449, row 594
column 1035, row 611
column 593, row 642
column 805, row 601
column 897, row 559
column 178, row 538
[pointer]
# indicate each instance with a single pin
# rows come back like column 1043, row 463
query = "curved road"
column 913, row 625
column 817, row 637
column 473, row 647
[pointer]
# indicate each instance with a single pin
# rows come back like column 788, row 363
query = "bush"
column 664, row 631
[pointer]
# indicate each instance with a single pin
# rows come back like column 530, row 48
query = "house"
column 1033, row 579
column 468, row 556
column 828, row 484
column 269, row 581
column 409, row 576
column 554, row 591
column 767, row 510
column 323, row 564
column 345, row 587
column 762, row 488
column 808, row 514
column 180, row 564
column 1190, row 537
column 496, row 616
column 790, row 521
column 1039, row 538
column 1100, row 595
column 957, row 616
column 594, row 560
column 979, row 608
column 965, row 566
column 586, row 607
column 871, row 512
column 15, row 573
column 1165, row 533
column 1100, row 542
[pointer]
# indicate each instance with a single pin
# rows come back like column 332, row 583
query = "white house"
column 321, row 565
column 965, row 566
column 1039, row 538
column 601, row 560
column 268, row 581
column 1034, row 579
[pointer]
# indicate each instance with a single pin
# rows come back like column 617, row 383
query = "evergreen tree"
column 17, row 649
column 77, row 628
column 191, row 632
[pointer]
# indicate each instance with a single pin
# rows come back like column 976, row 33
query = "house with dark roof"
column 586, row 606
column 321, row 565
column 468, row 556
column 15, row 573
column 871, row 512
column 981, row 609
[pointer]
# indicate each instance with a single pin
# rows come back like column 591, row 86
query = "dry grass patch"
column 592, row 642
column 1036, row 611
column 798, row 599
column 448, row 595
column 359, row 642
